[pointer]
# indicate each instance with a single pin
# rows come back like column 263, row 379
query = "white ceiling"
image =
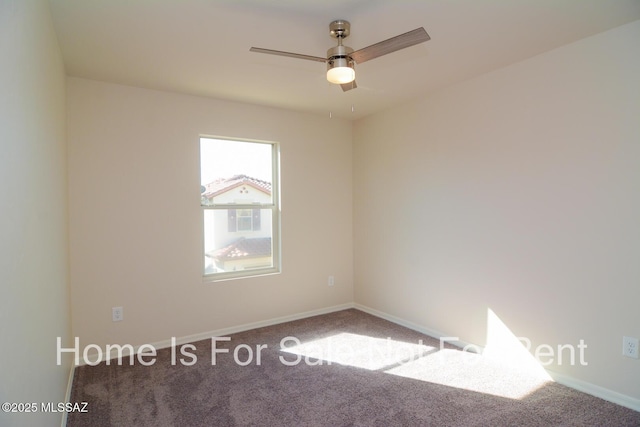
column 201, row 47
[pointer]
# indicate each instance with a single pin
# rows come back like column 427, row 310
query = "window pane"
column 240, row 208
column 243, row 247
column 235, row 172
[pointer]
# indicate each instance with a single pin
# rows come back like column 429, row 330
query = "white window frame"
column 274, row 206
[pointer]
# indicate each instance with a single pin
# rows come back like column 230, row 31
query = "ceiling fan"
column 341, row 59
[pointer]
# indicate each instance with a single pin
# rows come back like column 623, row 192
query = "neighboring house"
column 237, row 239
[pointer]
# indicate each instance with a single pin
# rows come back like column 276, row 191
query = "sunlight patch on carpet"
column 493, row 373
column 473, row 372
column 359, row 351
column 505, row 368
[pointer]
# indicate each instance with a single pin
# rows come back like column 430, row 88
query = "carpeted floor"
column 352, row 369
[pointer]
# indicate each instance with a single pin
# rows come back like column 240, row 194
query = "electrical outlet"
column 117, row 314
column 630, row 347
column 331, row 281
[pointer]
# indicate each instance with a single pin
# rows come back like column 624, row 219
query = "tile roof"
column 244, row 248
column 222, row 185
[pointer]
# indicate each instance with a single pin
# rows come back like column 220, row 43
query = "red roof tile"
column 244, row 248
column 222, row 185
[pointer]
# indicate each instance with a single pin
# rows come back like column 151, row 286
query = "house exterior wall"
column 222, row 235
column 219, row 234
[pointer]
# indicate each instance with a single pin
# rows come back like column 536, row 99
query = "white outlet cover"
column 117, row 314
column 630, row 347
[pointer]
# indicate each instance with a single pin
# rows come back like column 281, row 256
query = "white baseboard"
column 418, row 328
column 126, row 350
column 597, row 391
column 583, row 386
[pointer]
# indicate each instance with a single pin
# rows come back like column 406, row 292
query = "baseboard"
column 418, row 328
column 67, row 396
column 583, row 386
column 597, row 391
column 253, row 325
column 217, row 333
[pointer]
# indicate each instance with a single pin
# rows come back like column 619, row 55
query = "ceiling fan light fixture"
column 340, row 71
column 341, row 59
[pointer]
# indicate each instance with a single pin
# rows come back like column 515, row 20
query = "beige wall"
column 34, row 296
column 517, row 191
column 136, row 222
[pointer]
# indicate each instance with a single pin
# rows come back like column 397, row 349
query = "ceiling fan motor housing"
column 338, row 52
column 338, row 57
column 340, row 29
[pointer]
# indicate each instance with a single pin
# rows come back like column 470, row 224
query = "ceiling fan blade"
column 419, row 35
column 289, row 54
column 349, row 86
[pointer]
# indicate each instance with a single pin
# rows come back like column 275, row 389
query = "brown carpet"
column 380, row 374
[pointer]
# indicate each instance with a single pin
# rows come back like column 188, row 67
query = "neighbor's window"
column 240, row 206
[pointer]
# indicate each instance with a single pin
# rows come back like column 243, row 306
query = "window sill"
column 235, row 275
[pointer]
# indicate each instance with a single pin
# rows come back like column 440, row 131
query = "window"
column 244, row 219
column 240, row 204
